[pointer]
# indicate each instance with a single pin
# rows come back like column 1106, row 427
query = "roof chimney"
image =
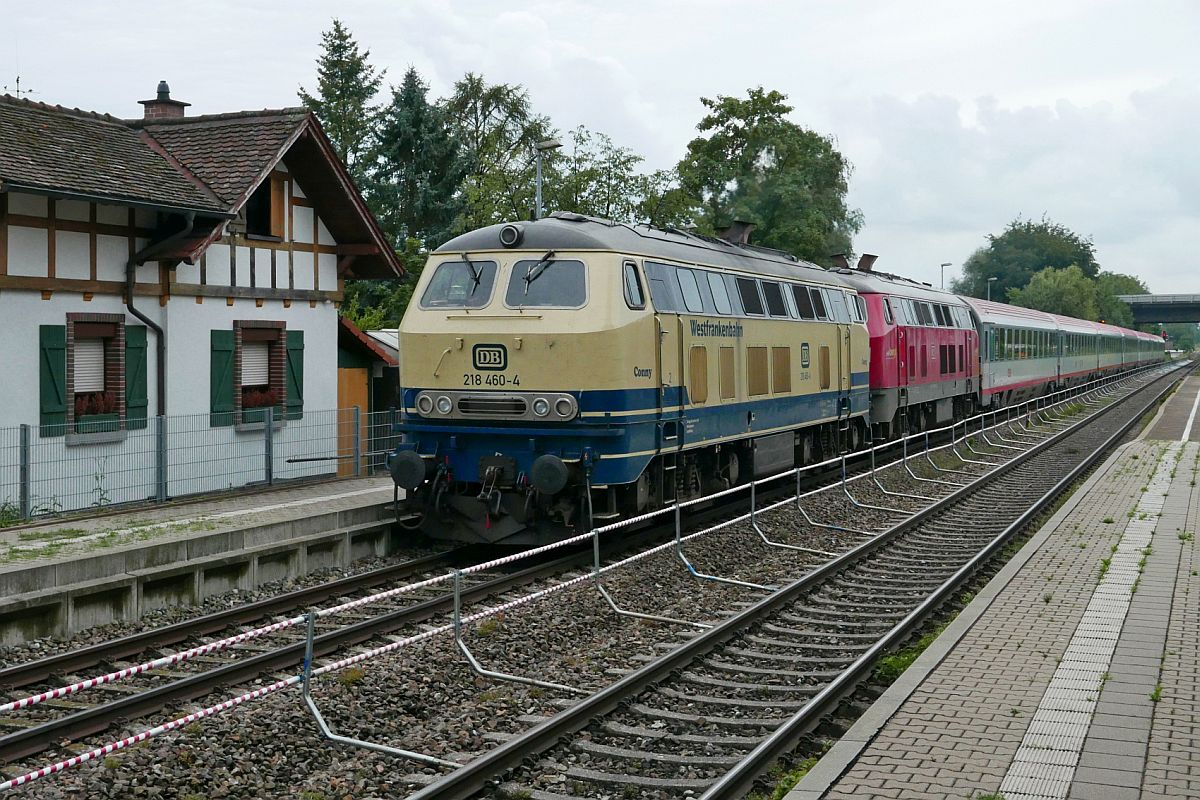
column 866, row 261
column 738, row 232
column 162, row 106
column 840, row 261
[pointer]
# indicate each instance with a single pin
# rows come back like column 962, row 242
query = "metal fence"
column 175, row 456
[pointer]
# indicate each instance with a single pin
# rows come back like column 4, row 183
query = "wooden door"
column 353, row 383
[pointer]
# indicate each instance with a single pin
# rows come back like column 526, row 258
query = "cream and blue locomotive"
column 568, row 371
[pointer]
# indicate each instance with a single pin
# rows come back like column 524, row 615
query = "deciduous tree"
column 1022, row 250
column 752, row 163
column 1059, row 291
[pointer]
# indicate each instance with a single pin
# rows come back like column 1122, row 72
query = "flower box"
column 97, row 423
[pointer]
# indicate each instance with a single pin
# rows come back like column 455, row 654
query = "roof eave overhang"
column 149, row 205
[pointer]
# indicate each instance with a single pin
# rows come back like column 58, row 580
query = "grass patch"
column 1156, row 695
column 488, row 626
column 1105, row 563
column 785, row 780
column 1108, row 520
column 351, row 676
column 891, row 667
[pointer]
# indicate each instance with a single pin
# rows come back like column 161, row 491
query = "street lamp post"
column 944, row 265
column 990, row 282
column 539, row 149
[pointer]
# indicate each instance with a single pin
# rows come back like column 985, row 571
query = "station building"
column 181, row 266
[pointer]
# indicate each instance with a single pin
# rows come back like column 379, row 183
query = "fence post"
column 24, row 472
column 160, row 457
column 269, row 445
column 357, row 442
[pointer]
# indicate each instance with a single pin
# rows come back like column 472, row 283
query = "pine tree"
column 414, row 188
column 346, row 85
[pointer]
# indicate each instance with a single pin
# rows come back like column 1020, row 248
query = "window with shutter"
column 256, row 364
column 89, row 365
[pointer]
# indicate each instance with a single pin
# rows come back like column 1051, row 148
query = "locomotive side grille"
column 492, row 406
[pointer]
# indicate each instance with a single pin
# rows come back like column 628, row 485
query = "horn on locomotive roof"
column 866, row 261
column 738, row 232
column 840, row 261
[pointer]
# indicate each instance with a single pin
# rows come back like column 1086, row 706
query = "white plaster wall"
column 216, row 265
column 283, row 260
column 28, row 253
column 112, row 215
column 302, row 269
column 323, row 234
column 148, row 272
column 327, row 272
column 76, row 210
column 187, row 273
column 302, row 218
column 72, row 255
column 242, row 265
column 31, row 205
column 112, row 253
column 262, row 268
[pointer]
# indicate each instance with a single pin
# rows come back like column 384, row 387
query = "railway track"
column 709, row 717
column 63, row 721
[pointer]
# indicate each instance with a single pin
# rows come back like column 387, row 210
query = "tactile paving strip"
column 1045, row 762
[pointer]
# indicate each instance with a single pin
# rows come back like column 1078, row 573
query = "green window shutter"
column 137, row 397
column 52, row 367
column 221, row 379
column 295, row 374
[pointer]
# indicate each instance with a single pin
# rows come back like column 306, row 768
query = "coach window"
column 634, row 297
column 818, row 302
column 720, row 294
column 460, row 284
column 774, row 295
column 692, row 300
column 751, row 299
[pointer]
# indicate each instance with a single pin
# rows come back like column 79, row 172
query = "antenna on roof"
column 17, row 90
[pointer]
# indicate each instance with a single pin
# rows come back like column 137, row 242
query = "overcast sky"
column 957, row 116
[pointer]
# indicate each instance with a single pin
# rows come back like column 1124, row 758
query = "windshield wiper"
column 476, row 274
column 535, row 271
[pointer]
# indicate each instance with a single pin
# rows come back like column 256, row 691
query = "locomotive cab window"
column 804, row 302
column 546, row 283
column 460, row 284
column 751, row 300
column 634, row 297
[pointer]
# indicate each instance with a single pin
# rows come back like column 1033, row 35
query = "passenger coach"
column 574, row 368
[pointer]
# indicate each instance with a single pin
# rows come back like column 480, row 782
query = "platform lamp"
column 944, row 265
column 990, row 282
column 539, row 149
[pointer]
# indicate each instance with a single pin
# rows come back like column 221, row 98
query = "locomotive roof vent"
column 840, row 261
column 511, row 235
column 738, row 232
column 866, row 261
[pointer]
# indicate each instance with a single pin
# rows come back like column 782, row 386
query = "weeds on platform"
column 785, row 780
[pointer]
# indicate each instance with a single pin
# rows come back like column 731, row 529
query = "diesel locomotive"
column 566, row 372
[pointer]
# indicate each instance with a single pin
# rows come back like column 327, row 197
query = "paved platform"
column 1075, row 673
column 59, row 578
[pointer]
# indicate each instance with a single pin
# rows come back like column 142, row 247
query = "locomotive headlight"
column 444, row 406
column 541, row 406
column 425, row 404
column 563, row 407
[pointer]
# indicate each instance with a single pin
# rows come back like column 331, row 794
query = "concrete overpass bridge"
column 1149, row 309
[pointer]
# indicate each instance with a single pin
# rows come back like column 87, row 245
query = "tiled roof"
column 67, row 150
column 226, row 151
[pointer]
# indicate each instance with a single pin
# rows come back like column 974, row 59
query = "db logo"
column 492, row 357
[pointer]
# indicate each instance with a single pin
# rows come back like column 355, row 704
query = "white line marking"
column 1187, row 431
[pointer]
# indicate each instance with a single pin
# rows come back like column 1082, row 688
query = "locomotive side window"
column 634, row 297
column 547, row 283
column 774, row 297
column 692, row 300
column 887, row 310
column 720, row 294
column 818, row 302
column 460, row 284
column 862, row 308
column 661, row 293
column 751, row 300
column 836, row 302
column 804, row 302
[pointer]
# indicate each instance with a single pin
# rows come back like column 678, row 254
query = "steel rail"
column 476, row 775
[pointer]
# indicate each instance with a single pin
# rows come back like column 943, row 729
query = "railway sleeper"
column 786, row 658
column 621, row 729
column 802, row 644
column 730, row 702
column 811, row 632
column 609, row 751
column 781, row 688
column 749, row 669
column 764, row 724
column 611, row 779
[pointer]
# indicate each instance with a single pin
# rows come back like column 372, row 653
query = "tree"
column 664, row 202
column 1110, row 309
column 496, row 129
column 592, row 175
column 1059, row 291
column 756, row 165
column 415, row 180
column 346, row 85
column 372, row 304
column 1023, row 249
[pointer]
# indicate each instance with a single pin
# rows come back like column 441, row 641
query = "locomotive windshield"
column 460, row 284
column 546, row 284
